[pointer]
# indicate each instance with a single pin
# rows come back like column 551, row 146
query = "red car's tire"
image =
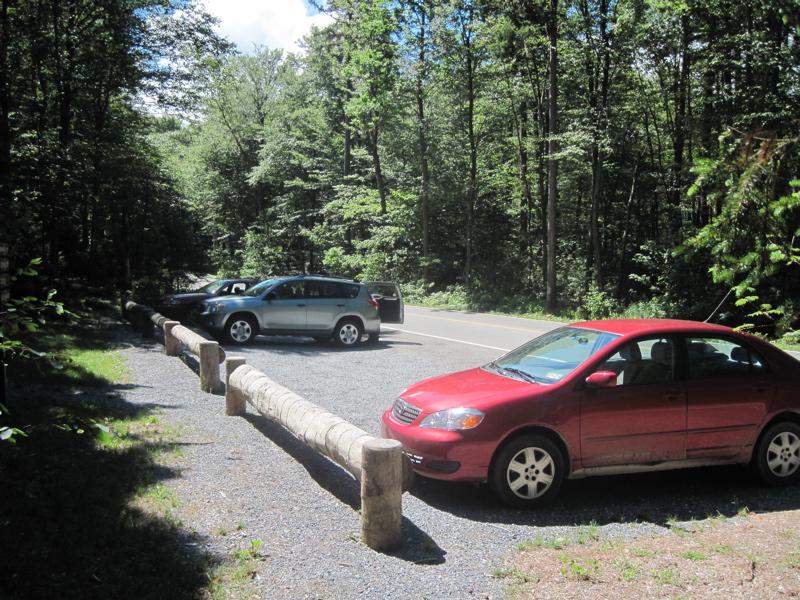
column 527, row 472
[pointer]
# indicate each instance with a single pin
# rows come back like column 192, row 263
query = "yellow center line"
column 474, row 323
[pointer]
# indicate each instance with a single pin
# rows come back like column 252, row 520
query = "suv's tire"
column 373, row 338
column 347, row 333
column 240, row 329
column 527, row 472
column 776, row 457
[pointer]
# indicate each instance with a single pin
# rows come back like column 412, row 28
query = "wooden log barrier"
column 378, row 464
column 209, row 353
column 381, row 482
column 139, row 317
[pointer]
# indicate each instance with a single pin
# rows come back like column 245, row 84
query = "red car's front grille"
column 405, row 412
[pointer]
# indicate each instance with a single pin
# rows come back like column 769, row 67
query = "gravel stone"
column 239, row 480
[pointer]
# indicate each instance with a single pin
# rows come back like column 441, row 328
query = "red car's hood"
column 474, row 388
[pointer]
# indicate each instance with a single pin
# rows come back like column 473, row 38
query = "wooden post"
column 381, row 494
column 148, row 328
column 5, row 296
column 209, row 367
column 235, row 402
column 172, row 345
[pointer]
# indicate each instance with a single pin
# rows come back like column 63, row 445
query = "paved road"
column 495, row 332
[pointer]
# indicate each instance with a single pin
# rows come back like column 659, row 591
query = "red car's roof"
column 626, row 326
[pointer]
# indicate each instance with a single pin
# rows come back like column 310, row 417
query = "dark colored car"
column 178, row 306
column 604, row 397
column 302, row 305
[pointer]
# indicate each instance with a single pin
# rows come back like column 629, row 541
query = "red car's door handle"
column 762, row 386
column 673, row 395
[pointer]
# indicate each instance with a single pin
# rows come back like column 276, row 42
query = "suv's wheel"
column 776, row 458
column 241, row 329
column 527, row 472
column 347, row 333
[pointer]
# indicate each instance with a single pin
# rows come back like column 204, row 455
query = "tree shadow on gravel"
column 327, row 474
column 299, row 346
column 658, row 498
column 71, row 516
column 418, row 547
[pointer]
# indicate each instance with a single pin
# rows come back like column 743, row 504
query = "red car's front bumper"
column 441, row 454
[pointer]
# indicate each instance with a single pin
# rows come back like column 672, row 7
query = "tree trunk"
column 5, row 109
column 422, row 137
column 376, row 163
column 552, row 161
column 426, row 183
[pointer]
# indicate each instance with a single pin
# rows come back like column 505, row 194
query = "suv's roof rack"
column 326, row 276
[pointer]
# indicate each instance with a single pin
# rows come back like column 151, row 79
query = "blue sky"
column 271, row 23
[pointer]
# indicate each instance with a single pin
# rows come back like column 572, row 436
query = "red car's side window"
column 713, row 358
column 644, row 361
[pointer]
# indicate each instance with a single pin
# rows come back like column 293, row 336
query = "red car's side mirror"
column 602, row 379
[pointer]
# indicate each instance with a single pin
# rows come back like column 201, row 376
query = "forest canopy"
column 601, row 156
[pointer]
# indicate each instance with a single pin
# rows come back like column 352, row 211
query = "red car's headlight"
column 453, row 419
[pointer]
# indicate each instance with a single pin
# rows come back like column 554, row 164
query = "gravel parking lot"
column 245, row 479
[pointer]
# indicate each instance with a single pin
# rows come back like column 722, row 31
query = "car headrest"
column 661, row 352
column 740, row 354
column 631, row 352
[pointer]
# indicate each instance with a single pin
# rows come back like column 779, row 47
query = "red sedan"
column 603, row 397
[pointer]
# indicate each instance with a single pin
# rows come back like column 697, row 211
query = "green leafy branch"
column 27, row 314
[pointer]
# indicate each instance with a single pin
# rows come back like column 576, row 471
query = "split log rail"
column 379, row 465
column 210, row 355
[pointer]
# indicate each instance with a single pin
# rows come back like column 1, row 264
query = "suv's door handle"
column 300, row 305
column 341, row 305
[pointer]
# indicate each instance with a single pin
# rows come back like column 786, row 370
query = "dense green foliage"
column 80, row 183
column 424, row 141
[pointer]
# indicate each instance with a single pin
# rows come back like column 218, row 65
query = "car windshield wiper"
column 526, row 376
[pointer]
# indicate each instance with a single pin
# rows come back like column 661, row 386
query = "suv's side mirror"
column 271, row 296
column 601, row 379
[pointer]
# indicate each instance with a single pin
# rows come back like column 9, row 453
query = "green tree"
column 73, row 124
column 755, row 198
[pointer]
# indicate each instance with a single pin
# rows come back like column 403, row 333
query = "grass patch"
column 666, row 577
column 588, row 533
column 82, row 519
column 78, row 354
column 629, row 570
column 580, row 569
column 793, row 559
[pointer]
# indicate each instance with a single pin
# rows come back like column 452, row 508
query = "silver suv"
column 319, row 307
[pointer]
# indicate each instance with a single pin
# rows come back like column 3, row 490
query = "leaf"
column 101, row 431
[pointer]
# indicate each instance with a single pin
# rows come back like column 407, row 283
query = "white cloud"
column 271, row 23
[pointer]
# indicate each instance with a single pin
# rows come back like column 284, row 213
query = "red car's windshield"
column 554, row 355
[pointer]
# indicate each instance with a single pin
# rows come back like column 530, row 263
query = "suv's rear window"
column 332, row 289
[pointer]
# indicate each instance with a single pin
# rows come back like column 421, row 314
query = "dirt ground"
column 754, row 556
